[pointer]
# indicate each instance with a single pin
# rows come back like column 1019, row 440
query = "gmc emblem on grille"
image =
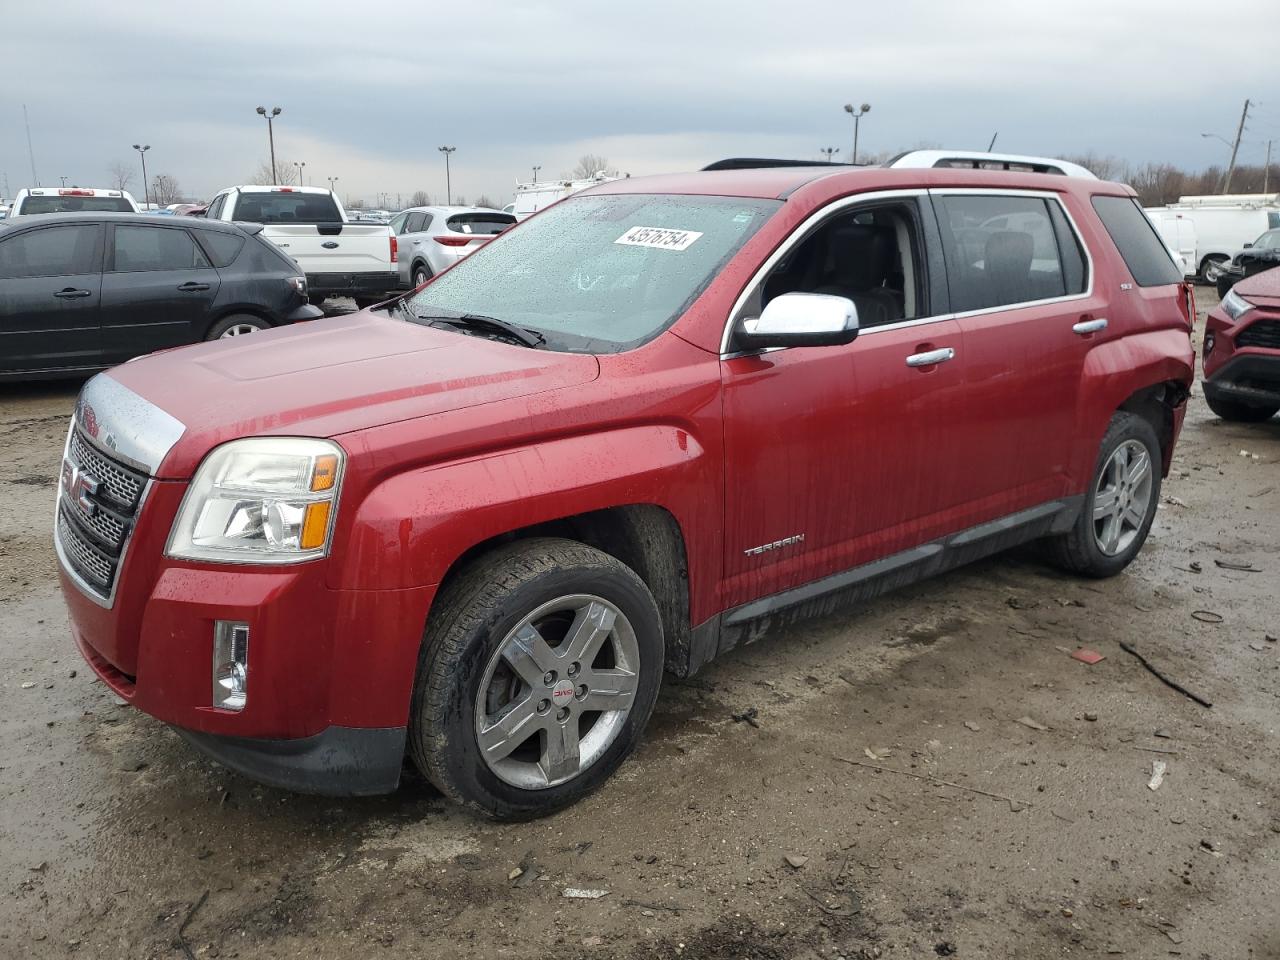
column 80, row 486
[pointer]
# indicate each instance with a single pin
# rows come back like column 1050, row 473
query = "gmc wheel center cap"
column 562, row 693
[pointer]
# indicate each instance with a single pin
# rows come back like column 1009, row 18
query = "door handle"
column 71, row 293
column 931, row 357
column 192, row 287
column 1086, row 327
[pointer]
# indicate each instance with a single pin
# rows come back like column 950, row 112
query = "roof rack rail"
column 756, row 163
column 978, row 160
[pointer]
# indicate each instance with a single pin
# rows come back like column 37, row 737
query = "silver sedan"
column 432, row 239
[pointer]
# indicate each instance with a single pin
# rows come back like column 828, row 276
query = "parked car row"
column 83, row 291
column 1207, row 232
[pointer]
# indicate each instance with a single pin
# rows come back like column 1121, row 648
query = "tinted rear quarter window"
column 222, row 248
column 483, row 223
column 49, row 252
column 1135, row 237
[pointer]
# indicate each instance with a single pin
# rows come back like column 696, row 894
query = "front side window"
column 1004, row 250
column 142, row 249
column 599, row 273
column 49, row 252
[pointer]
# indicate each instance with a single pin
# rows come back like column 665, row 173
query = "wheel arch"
column 247, row 309
column 1160, row 404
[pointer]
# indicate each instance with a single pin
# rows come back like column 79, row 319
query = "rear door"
column 50, row 293
column 1021, row 286
column 158, row 290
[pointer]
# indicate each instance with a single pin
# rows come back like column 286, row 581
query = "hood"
column 1262, row 288
column 333, row 376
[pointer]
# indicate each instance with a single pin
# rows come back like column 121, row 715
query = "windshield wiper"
column 476, row 321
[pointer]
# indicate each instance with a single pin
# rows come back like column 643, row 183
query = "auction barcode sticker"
column 660, row 237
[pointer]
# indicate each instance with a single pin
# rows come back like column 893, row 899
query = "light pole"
column 536, row 168
column 300, row 171
column 271, row 136
column 857, row 115
column 332, row 181
column 828, row 152
column 142, row 152
column 64, row 180
column 448, row 186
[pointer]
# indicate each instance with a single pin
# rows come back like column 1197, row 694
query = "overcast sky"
column 370, row 90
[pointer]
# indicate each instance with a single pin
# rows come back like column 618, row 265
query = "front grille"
column 1261, row 333
column 97, row 504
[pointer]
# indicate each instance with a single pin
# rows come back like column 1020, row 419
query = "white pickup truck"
column 340, row 258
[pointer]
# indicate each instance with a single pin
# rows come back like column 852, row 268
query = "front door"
column 837, row 456
column 50, row 290
column 158, row 291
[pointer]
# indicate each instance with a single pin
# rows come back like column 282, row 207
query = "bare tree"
column 121, row 174
column 589, row 164
column 484, row 201
column 286, row 174
column 420, row 198
column 1104, row 168
column 165, row 190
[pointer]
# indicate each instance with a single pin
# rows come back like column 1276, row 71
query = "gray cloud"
column 656, row 87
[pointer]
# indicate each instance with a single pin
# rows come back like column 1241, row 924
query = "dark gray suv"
column 80, row 292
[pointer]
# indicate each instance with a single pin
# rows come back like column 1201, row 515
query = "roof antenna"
column 992, row 144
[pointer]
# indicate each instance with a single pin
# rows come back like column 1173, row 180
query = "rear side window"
column 75, row 205
column 1143, row 251
column 143, row 249
column 1004, row 250
column 222, row 248
column 287, row 208
column 483, row 223
column 1273, row 219
column 49, row 252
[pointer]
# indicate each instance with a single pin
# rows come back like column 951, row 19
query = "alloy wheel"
column 557, row 691
column 1122, row 497
column 238, row 330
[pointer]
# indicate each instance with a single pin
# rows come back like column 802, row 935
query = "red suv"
column 639, row 429
column 1242, row 350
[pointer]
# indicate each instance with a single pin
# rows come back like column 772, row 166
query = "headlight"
column 261, row 500
column 1235, row 306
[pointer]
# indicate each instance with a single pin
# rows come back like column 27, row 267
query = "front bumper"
column 337, row 762
column 1248, row 377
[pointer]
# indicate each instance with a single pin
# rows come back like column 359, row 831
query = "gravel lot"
column 117, row 840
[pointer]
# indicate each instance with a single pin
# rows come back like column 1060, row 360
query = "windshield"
column 33, row 205
column 287, row 208
column 599, row 274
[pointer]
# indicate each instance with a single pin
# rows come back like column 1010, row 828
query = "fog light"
column 1209, row 340
column 230, row 664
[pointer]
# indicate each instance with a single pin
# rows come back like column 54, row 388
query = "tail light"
column 299, row 284
column 75, row 193
column 395, row 249
column 452, row 241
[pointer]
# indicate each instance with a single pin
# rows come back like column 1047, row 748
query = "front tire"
column 539, row 669
column 236, row 325
column 1211, row 267
column 1119, row 505
column 1237, row 412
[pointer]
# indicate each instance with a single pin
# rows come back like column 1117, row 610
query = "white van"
column 1223, row 225
column 1178, row 231
column 532, row 197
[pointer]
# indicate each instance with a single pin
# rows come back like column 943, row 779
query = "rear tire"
column 363, row 303
column 1237, row 412
column 421, row 274
column 539, row 668
column 236, row 325
column 1120, row 504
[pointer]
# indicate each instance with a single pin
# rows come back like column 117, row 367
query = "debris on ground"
column 576, row 893
column 1022, row 804
column 970, row 725
column 1158, row 768
column 27, row 685
column 1245, row 566
column 1207, row 616
column 1032, row 724
column 796, row 860
column 1085, row 655
column 747, row 716
column 1130, row 649
column 945, row 949
column 1174, row 501
column 881, row 754
column 1091, row 716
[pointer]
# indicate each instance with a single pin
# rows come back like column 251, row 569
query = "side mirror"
column 801, row 320
column 1248, row 246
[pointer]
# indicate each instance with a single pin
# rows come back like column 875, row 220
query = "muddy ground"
column 117, row 840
